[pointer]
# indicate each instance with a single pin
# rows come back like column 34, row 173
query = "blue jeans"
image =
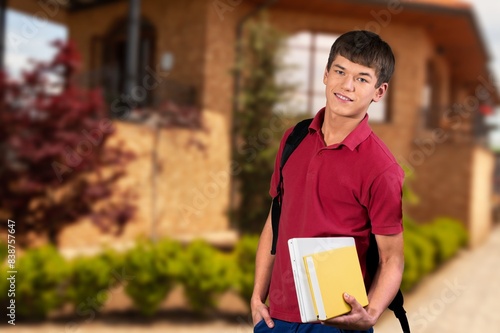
column 281, row 326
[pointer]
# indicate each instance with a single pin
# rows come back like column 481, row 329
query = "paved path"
column 462, row 296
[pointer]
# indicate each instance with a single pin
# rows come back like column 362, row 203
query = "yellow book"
column 331, row 274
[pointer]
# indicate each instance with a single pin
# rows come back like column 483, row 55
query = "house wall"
column 219, row 57
column 442, row 182
column 191, row 188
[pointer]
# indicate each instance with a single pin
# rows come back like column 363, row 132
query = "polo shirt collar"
column 354, row 139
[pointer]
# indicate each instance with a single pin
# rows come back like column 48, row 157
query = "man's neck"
column 336, row 128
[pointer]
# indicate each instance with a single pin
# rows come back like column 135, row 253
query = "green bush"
column 425, row 251
column 244, row 256
column 409, row 224
column 4, row 285
column 419, row 257
column 40, row 285
column 427, row 245
column 411, row 271
column 447, row 235
column 92, row 278
column 156, row 268
column 206, row 273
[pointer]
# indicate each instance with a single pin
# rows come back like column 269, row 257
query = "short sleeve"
column 385, row 201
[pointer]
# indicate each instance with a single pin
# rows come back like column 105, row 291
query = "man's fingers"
column 356, row 319
column 267, row 317
column 270, row 323
column 352, row 302
column 263, row 314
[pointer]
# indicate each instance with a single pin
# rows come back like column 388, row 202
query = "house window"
column 305, row 57
column 114, row 55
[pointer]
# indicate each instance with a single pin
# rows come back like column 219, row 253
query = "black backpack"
column 298, row 134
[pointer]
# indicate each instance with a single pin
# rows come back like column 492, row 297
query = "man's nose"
column 348, row 83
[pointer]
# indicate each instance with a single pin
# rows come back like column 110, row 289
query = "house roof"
column 450, row 24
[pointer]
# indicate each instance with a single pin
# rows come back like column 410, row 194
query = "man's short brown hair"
column 365, row 48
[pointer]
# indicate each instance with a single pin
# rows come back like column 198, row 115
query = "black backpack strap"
column 298, row 134
column 397, row 307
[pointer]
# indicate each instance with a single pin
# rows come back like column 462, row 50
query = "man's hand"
column 264, row 263
column 260, row 311
column 358, row 319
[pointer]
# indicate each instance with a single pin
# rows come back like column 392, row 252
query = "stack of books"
column 324, row 268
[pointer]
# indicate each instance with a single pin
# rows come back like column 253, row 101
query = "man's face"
column 350, row 88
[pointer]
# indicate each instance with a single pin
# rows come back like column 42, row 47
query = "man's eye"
column 362, row 80
column 339, row 72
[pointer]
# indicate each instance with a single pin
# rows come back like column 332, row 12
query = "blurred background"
column 138, row 140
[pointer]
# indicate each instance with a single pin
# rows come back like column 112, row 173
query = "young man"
column 340, row 181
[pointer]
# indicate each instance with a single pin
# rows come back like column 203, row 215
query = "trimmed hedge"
column 244, row 254
column 91, row 279
column 4, row 286
column 447, row 236
column 41, row 282
column 149, row 271
column 155, row 268
column 206, row 273
column 428, row 245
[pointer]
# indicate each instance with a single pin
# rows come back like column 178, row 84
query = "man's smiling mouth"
column 344, row 98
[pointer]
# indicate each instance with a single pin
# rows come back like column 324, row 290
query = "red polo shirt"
column 349, row 189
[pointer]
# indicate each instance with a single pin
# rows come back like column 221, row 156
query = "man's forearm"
column 385, row 286
column 263, row 263
column 387, row 280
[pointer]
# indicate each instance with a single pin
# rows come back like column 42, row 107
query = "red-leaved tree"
column 55, row 165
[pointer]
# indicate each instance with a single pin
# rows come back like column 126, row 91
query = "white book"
column 305, row 247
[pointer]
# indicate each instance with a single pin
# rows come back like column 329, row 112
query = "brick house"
column 432, row 119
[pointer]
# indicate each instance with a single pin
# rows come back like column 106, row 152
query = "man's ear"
column 380, row 92
column 325, row 75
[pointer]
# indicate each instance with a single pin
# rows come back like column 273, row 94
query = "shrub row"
column 149, row 271
column 428, row 245
column 46, row 281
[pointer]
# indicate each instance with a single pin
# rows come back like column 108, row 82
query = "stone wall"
column 191, row 187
